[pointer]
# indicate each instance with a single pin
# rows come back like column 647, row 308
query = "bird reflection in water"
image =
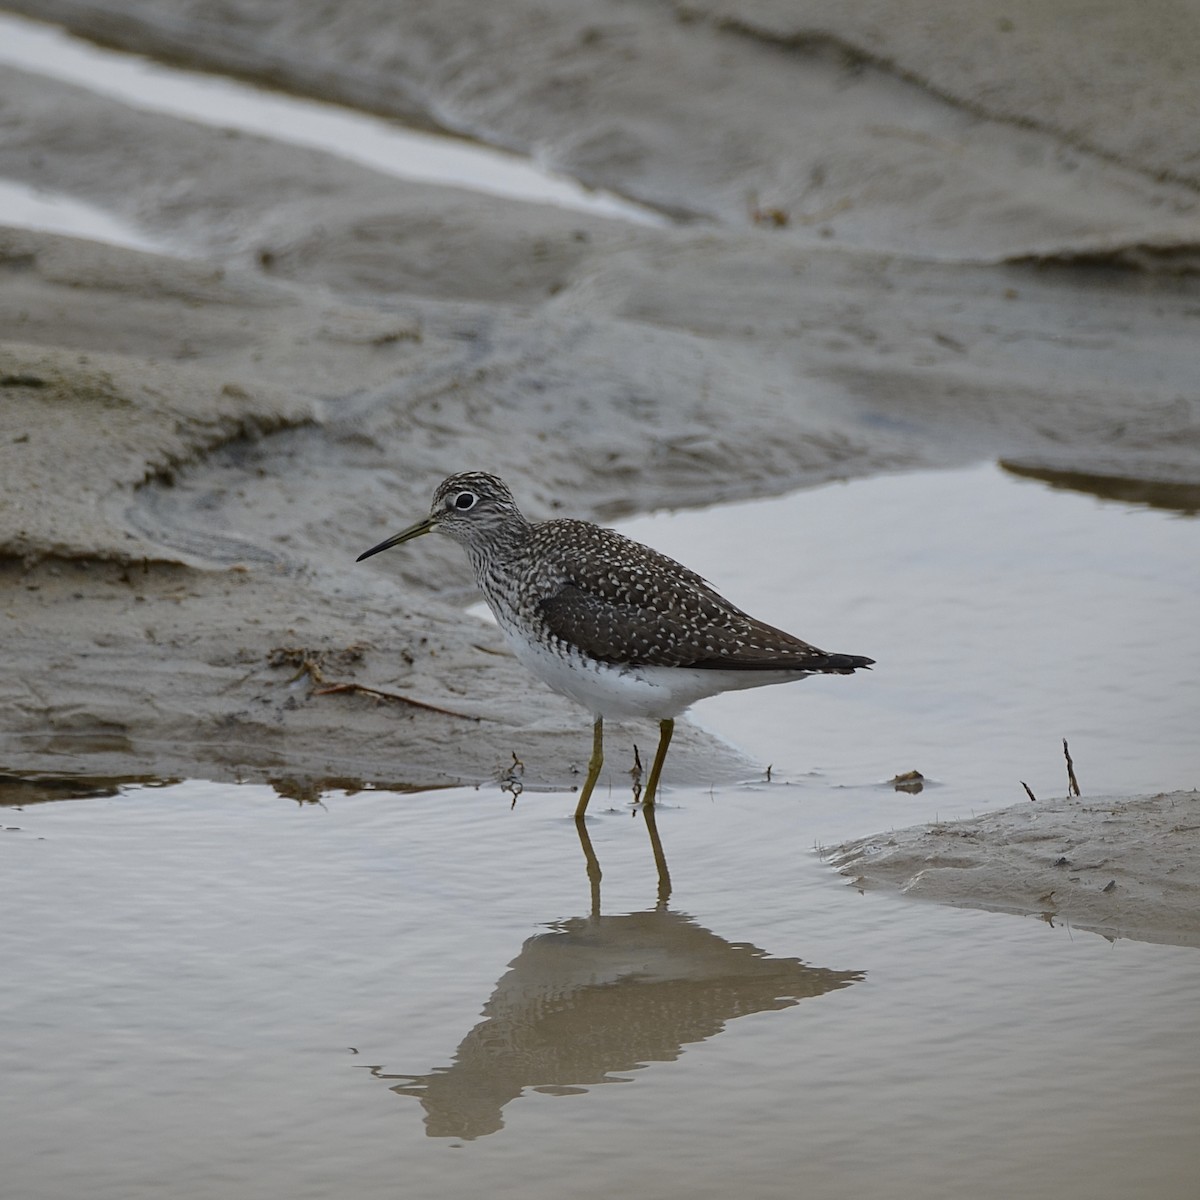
column 598, row 996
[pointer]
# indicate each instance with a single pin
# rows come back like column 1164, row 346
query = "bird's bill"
column 405, row 535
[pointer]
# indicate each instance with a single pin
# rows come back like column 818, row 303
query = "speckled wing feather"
column 619, row 601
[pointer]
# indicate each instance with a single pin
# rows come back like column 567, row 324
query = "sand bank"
column 1121, row 866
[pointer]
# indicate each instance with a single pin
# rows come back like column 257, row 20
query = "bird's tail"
column 844, row 664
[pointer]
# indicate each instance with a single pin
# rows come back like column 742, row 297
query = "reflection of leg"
column 660, row 859
column 594, row 765
column 666, row 728
column 593, row 865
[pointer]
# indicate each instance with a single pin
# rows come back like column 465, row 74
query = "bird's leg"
column 666, row 728
column 660, row 859
column 594, row 765
column 593, row 865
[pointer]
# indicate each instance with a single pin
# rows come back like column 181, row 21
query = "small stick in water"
column 1072, row 782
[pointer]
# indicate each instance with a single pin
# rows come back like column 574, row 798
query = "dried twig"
column 1072, row 782
column 333, row 688
column 310, row 665
column 1028, row 790
column 635, row 773
column 511, row 780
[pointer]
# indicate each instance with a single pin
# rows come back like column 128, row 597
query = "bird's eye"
column 465, row 500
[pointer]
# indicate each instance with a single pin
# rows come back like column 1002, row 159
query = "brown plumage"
column 614, row 625
column 620, row 602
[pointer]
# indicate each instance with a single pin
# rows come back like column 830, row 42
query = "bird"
column 614, row 625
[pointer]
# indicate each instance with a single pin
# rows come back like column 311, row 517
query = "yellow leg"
column 665, row 728
column 593, row 865
column 594, row 765
column 660, row 859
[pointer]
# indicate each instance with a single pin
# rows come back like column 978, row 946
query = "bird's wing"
column 620, row 601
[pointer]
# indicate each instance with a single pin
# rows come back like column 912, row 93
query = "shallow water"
column 25, row 207
column 1004, row 616
column 211, row 990
column 218, row 991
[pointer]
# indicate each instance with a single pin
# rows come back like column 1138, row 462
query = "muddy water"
column 212, row 991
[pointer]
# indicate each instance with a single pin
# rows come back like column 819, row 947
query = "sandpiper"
column 615, row 626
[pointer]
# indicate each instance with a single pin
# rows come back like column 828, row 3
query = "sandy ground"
column 895, row 258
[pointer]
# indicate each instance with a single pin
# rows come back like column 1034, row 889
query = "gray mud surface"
column 949, row 130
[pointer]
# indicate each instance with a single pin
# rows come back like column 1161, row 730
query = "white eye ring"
column 465, row 500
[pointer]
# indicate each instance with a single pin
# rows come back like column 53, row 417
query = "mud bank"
column 1121, row 866
column 948, row 130
column 195, row 447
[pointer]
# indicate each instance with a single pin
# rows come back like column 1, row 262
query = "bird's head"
column 470, row 507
